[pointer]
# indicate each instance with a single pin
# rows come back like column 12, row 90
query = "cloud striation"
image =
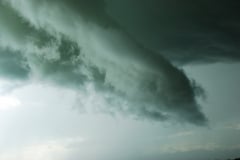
column 77, row 44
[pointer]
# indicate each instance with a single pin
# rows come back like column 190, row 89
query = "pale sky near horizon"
column 44, row 124
column 111, row 80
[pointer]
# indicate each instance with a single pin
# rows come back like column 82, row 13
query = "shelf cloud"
column 83, row 43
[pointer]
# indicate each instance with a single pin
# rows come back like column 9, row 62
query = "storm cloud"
column 129, row 63
column 186, row 32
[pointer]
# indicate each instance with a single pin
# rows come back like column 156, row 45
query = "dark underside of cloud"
column 184, row 31
column 123, row 50
column 12, row 65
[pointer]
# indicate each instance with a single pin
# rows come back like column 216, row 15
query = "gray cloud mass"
column 127, row 61
column 183, row 31
column 12, row 65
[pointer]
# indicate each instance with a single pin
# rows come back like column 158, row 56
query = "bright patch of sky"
column 49, row 126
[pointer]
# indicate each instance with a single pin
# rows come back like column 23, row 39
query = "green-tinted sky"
column 125, row 80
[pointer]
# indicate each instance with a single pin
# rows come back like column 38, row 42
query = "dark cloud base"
column 80, row 43
column 184, row 31
column 13, row 65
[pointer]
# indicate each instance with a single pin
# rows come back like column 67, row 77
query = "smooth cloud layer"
column 183, row 31
column 76, row 44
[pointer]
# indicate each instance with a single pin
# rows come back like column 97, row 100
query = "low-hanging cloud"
column 12, row 65
column 76, row 44
column 183, row 31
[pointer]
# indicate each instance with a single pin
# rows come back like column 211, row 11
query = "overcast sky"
column 124, row 80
